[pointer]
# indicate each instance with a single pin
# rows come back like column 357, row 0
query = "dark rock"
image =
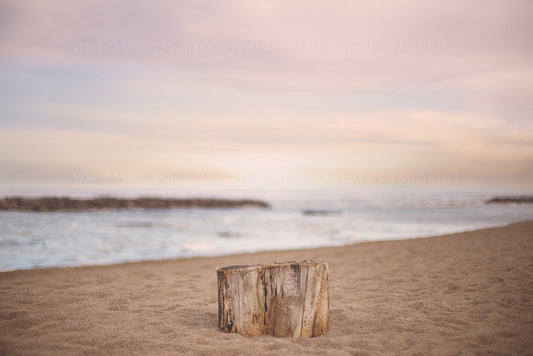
column 230, row 234
column 102, row 203
column 321, row 212
column 523, row 199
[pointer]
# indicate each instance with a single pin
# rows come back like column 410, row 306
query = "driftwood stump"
column 282, row 299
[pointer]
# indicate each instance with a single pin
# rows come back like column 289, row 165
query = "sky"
column 279, row 94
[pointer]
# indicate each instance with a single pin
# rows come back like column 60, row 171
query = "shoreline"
column 266, row 251
column 462, row 292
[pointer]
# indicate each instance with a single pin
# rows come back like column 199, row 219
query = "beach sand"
column 467, row 293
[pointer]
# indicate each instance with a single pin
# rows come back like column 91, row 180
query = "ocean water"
column 35, row 240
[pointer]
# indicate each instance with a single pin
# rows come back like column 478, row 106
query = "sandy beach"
column 468, row 293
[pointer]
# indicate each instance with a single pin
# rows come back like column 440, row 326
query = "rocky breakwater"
column 521, row 199
column 105, row 203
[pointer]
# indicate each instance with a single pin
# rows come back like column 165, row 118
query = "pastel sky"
column 276, row 94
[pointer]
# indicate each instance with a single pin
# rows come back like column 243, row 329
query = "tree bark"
column 282, row 299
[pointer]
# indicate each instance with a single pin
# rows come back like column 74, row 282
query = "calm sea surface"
column 34, row 240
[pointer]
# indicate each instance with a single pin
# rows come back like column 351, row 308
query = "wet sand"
column 470, row 293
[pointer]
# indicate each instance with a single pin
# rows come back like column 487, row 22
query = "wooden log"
column 282, row 299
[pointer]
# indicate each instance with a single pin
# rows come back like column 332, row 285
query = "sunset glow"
column 285, row 95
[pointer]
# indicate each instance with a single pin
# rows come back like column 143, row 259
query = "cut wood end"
column 275, row 264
